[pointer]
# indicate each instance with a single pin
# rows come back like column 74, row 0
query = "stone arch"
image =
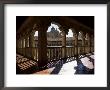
column 54, row 34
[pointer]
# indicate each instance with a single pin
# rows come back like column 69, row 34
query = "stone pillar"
column 18, row 46
column 88, row 43
column 42, row 46
column 23, row 46
column 32, row 44
column 26, row 46
column 83, row 43
column 73, row 45
column 26, row 41
column 17, row 43
column 76, row 45
column 20, row 43
column 63, row 44
column 92, row 43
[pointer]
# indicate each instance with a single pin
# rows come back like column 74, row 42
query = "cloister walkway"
column 85, row 65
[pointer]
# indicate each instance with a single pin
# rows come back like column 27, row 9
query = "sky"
column 70, row 33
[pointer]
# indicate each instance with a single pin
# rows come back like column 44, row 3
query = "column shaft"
column 76, row 44
column 32, row 44
column 88, row 44
column 42, row 47
column 64, row 45
column 23, row 46
column 83, row 44
column 26, row 46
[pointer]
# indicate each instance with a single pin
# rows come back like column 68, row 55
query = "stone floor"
column 85, row 65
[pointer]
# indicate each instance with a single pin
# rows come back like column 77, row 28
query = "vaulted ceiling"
column 86, row 20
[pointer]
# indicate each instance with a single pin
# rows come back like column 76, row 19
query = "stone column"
column 19, row 45
column 76, row 45
column 73, row 43
column 83, row 43
column 26, row 46
column 88, row 43
column 92, row 43
column 42, row 46
column 23, row 46
column 63, row 44
column 32, row 44
column 26, row 41
column 22, row 42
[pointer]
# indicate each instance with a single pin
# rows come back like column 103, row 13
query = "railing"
column 31, row 53
column 54, row 52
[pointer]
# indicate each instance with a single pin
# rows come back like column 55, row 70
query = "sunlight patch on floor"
column 92, row 56
column 87, row 63
column 68, row 68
